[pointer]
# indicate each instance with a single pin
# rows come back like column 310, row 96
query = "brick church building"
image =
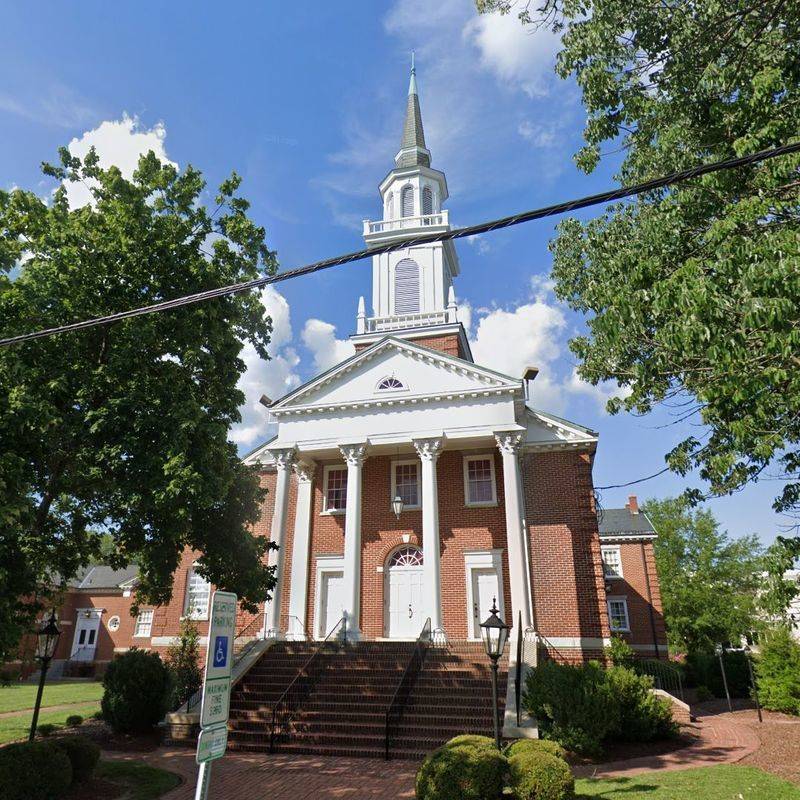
column 409, row 483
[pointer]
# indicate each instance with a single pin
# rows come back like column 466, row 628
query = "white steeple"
column 411, row 288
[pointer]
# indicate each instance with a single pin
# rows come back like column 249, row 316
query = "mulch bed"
column 99, row 732
column 622, row 751
column 96, row 789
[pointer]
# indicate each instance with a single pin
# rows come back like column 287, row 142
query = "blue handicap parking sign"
column 220, row 651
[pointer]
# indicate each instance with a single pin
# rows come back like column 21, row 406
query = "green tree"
column 778, row 591
column 708, row 580
column 183, row 662
column 778, row 671
column 691, row 291
column 120, row 432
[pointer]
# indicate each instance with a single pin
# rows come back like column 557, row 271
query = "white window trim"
column 618, row 599
column 114, row 623
column 393, row 494
column 327, row 471
column 187, row 612
column 396, row 390
column 324, row 564
column 480, row 503
column 149, row 627
column 483, row 559
column 608, row 548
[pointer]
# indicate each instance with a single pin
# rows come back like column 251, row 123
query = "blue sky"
column 306, row 103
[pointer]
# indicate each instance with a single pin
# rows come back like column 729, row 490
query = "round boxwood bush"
column 83, row 754
column 34, row 771
column 471, row 740
column 74, row 721
column 465, row 770
column 137, row 690
column 534, row 746
column 540, row 776
column 47, row 729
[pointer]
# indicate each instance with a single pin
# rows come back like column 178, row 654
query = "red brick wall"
column 449, row 343
column 566, row 569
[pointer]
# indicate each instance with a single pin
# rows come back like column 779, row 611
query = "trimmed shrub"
column 534, row 746
column 34, row 771
column 703, row 670
column 137, row 691
column 620, row 653
column 471, row 740
column 46, row 729
column 703, row 693
column 183, row 662
column 573, row 704
column 642, row 716
column 98, row 715
column 540, row 776
column 82, row 753
column 778, row 672
column 74, row 721
column 470, row 770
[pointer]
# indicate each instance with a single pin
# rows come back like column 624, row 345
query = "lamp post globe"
column 46, row 643
column 397, row 506
column 494, row 633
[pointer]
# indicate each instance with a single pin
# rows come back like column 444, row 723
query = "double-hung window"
column 198, row 590
column 618, row 614
column 405, row 483
column 335, row 495
column 612, row 562
column 144, row 623
column 479, row 482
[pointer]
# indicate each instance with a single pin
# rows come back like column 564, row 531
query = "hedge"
column 467, row 769
column 534, row 746
column 778, row 672
column 540, row 776
column 83, row 754
column 34, row 771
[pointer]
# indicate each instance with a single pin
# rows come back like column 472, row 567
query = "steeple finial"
column 412, row 84
column 412, row 148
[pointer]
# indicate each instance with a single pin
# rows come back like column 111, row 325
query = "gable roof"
column 621, row 523
column 101, row 576
column 486, row 375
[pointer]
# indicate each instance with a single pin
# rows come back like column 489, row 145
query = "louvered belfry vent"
column 408, row 201
column 406, row 287
column 427, row 200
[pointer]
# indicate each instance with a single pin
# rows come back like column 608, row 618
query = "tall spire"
column 413, row 151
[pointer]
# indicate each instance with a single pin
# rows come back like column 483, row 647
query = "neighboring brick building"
column 409, row 483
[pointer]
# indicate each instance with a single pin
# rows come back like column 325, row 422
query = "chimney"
column 633, row 504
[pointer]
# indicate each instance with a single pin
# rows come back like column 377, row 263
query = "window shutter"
column 408, row 201
column 406, row 287
column 427, row 201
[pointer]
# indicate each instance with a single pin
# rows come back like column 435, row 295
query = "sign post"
column 215, row 705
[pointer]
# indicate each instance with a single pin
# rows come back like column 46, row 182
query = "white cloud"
column 537, row 135
column 120, row 143
column 601, row 393
column 480, row 243
column 518, row 55
column 320, row 338
column 273, row 378
column 57, row 105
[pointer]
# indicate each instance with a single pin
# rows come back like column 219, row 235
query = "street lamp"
column 47, row 639
column 495, row 633
column 397, row 506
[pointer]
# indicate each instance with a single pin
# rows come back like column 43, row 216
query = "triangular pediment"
column 546, row 430
column 395, row 370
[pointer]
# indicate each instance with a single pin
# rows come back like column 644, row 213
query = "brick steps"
column 345, row 712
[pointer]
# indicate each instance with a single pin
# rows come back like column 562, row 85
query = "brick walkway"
column 720, row 740
column 244, row 776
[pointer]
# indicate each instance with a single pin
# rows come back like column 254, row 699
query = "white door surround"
column 329, row 599
column 87, row 628
column 404, row 606
column 484, row 580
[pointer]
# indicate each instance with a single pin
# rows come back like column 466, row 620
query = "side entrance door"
column 84, row 644
column 405, row 611
column 331, row 601
column 484, row 591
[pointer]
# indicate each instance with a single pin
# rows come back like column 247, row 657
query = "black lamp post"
column 495, row 634
column 47, row 639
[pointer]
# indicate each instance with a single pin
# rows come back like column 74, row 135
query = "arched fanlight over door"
column 406, row 287
column 406, row 557
column 408, row 201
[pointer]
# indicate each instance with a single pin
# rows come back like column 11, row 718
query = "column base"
column 438, row 637
column 274, row 633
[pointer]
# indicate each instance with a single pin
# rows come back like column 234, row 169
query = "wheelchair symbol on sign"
column 220, row 651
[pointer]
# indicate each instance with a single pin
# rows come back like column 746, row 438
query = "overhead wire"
column 415, row 240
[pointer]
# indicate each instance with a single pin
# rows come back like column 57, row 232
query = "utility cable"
column 442, row 236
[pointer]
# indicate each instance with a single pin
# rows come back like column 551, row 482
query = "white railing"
column 397, row 321
column 405, row 223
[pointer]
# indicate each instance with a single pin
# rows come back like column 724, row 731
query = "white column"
column 283, row 458
column 509, row 442
column 298, row 588
column 429, row 450
column 354, row 455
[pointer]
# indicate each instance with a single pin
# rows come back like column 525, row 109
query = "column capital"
column 304, row 469
column 429, row 448
column 283, row 456
column 354, row 454
column 508, row 441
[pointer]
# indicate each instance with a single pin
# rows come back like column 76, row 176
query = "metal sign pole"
column 203, row 778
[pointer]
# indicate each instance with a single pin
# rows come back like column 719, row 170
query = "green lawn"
column 725, row 782
column 12, row 728
column 20, row 696
column 143, row 781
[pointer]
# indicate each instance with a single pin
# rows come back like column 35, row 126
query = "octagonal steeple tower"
column 412, row 288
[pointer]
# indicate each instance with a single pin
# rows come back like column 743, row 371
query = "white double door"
column 87, row 626
column 406, row 611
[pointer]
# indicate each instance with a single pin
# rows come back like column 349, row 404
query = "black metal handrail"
column 518, row 676
column 664, row 675
column 298, row 690
column 398, row 702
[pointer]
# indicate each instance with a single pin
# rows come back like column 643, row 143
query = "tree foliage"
column 117, row 435
column 709, row 582
column 691, row 291
column 779, row 590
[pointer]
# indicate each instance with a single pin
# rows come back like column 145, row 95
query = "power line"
column 457, row 233
column 631, row 483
